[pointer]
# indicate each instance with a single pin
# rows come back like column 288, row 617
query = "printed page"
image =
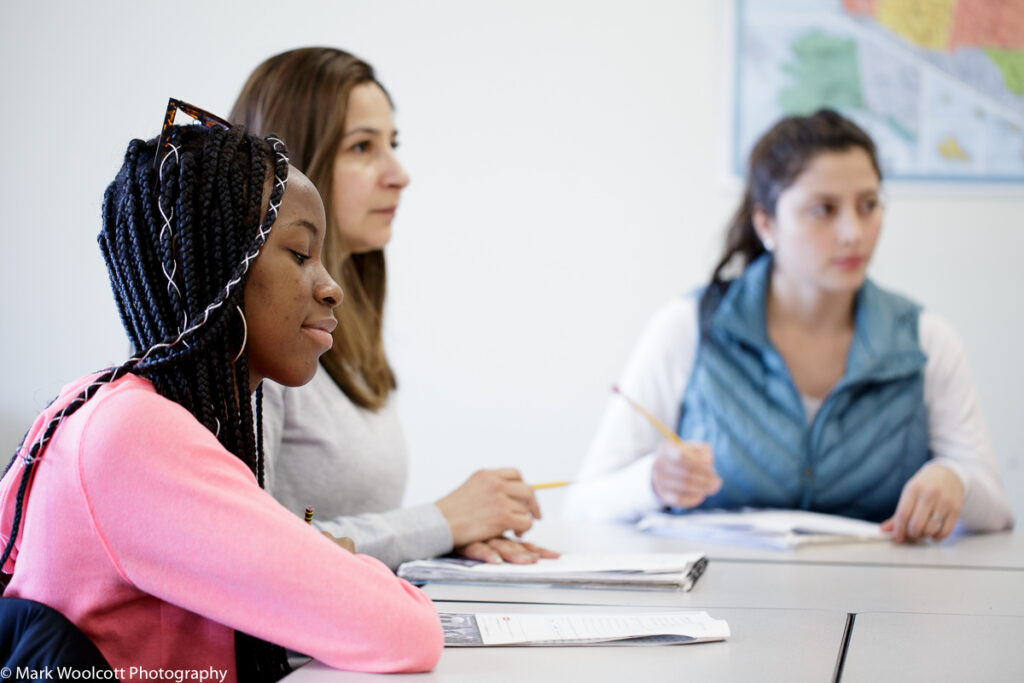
column 773, row 528
column 577, row 563
column 580, row 629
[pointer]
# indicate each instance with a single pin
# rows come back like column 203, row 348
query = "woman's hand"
column 500, row 549
column 684, row 476
column 929, row 505
column 490, row 503
column 344, row 542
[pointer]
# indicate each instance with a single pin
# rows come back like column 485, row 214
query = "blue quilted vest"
column 868, row 438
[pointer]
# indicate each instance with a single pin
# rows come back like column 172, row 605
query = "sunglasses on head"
column 198, row 115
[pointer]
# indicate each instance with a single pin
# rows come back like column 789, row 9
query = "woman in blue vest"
column 799, row 383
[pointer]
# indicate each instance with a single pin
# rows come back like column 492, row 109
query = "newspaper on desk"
column 780, row 529
column 672, row 571
column 614, row 628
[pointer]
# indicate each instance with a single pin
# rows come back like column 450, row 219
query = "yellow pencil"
column 309, row 514
column 655, row 422
column 550, row 485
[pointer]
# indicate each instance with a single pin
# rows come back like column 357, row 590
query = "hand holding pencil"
column 683, row 474
column 344, row 542
column 487, row 506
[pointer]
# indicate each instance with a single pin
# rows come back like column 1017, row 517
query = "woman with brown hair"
column 798, row 382
column 337, row 443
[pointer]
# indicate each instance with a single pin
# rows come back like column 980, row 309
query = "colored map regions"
column 939, row 84
column 988, row 23
column 928, row 23
column 994, row 26
column 825, row 67
column 948, row 24
column 1011, row 63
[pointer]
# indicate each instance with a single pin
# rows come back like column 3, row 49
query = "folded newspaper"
column 676, row 571
column 612, row 628
column 780, row 529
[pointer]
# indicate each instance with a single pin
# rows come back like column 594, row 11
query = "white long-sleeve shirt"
column 615, row 482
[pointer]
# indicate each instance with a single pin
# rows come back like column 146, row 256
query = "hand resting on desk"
column 501, row 549
column 928, row 507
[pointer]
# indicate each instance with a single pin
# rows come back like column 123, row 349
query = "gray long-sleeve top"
column 351, row 465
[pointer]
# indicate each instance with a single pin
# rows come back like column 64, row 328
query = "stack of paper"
column 781, row 529
column 667, row 571
column 656, row 628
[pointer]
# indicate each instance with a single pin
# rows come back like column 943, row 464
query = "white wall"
column 567, row 162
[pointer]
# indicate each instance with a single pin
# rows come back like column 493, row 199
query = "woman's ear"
column 764, row 226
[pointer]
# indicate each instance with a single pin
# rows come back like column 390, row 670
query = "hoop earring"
column 245, row 333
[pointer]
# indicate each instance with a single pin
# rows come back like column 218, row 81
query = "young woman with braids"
column 337, row 442
column 134, row 506
column 801, row 383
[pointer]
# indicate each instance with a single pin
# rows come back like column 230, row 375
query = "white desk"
column 992, row 551
column 787, row 611
column 935, row 647
column 842, row 588
column 757, row 650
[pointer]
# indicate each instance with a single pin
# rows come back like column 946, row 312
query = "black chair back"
column 35, row 638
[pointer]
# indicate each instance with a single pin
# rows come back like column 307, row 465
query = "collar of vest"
column 885, row 342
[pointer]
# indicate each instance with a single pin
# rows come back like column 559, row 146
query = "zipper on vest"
column 811, row 447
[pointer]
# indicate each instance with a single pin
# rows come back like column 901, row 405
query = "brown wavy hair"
column 302, row 96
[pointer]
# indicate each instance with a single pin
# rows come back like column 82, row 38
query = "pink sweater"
column 158, row 543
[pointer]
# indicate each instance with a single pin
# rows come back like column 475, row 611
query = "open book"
column 782, row 529
column 678, row 571
column 614, row 628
